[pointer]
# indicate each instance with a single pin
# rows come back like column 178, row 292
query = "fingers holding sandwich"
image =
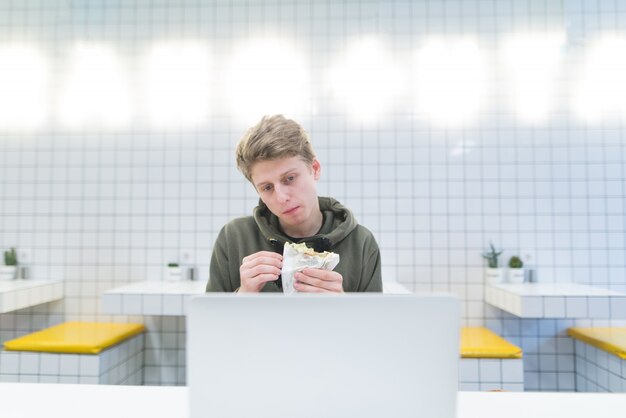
column 258, row 269
column 318, row 281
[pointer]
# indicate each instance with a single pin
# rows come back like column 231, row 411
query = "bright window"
column 96, row 90
column 367, row 81
column 601, row 92
column 266, row 76
column 23, row 88
column 450, row 81
column 176, row 84
column 532, row 62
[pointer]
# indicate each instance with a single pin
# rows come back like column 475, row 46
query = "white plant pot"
column 494, row 275
column 8, row 272
column 174, row 274
column 516, row 275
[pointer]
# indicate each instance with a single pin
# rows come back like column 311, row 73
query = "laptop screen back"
column 357, row 355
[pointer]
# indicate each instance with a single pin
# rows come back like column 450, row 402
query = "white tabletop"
column 540, row 405
column 183, row 287
column 556, row 289
column 35, row 400
column 170, row 298
column 30, row 400
column 556, row 300
column 20, row 293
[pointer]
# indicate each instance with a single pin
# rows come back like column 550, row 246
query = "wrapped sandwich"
column 297, row 257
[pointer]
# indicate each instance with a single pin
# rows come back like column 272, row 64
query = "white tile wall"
column 99, row 208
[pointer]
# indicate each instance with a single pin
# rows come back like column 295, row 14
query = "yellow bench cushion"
column 75, row 337
column 609, row 339
column 480, row 342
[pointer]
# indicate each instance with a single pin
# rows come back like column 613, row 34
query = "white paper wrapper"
column 297, row 257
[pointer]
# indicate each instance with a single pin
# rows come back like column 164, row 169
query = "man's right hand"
column 258, row 269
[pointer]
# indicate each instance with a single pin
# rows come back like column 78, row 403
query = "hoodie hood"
column 338, row 224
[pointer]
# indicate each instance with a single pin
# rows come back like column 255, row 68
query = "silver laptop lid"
column 356, row 355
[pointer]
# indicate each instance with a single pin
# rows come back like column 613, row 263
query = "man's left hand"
column 318, row 281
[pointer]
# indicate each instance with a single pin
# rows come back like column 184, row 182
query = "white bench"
column 76, row 352
column 600, row 358
column 489, row 362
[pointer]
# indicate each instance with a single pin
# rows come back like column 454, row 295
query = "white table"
column 20, row 294
column 540, row 405
column 169, row 298
column 556, row 300
column 51, row 400
column 34, row 400
column 151, row 298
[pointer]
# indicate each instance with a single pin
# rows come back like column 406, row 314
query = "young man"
column 277, row 158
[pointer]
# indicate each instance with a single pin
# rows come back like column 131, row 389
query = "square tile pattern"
column 598, row 370
column 20, row 294
column 100, row 208
column 560, row 300
column 483, row 374
column 151, row 298
column 121, row 364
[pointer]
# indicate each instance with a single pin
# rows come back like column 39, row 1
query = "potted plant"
column 9, row 270
column 493, row 274
column 174, row 272
column 516, row 270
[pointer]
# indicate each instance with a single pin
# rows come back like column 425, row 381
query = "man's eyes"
column 286, row 180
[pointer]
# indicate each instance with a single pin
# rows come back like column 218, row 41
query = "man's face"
column 288, row 187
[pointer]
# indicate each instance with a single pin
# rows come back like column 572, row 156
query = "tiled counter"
column 169, row 298
column 151, row 298
column 20, row 294
column 556, row 300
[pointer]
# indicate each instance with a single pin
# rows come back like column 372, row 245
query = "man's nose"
column 282, row 194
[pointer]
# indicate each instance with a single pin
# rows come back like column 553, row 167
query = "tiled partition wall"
column 115, row 199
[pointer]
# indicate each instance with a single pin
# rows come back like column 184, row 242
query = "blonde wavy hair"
column 274, row 137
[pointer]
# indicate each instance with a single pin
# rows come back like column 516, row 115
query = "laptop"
column 312, row 356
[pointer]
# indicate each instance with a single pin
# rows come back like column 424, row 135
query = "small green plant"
column 516, row 263
column 492, row 256
column 10, row 257
column 172, row 264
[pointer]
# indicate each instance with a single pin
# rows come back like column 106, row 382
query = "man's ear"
column 317, row 169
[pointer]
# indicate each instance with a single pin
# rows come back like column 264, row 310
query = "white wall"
column 101, row 206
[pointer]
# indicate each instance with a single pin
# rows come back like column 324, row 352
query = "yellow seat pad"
column 75, row 337
column 480, row 342
column 609, row 339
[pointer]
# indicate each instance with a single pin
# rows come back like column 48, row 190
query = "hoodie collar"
column 338, row 223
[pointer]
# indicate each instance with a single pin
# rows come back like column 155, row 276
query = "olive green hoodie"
column 359, row 262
